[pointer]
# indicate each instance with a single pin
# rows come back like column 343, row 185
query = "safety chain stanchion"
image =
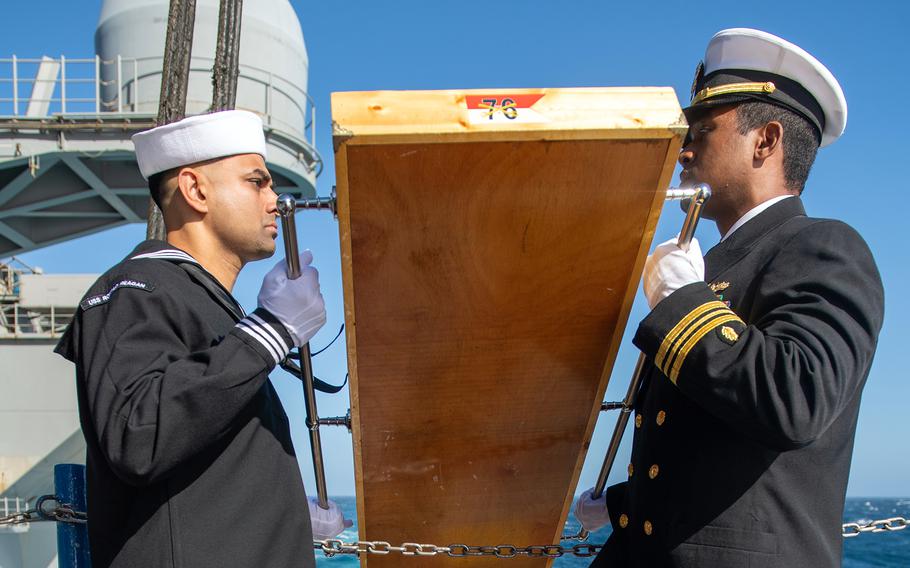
column 883, row 525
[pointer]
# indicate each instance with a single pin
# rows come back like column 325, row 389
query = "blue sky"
column 359, row 45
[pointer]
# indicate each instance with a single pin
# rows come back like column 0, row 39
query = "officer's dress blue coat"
column 744, row 426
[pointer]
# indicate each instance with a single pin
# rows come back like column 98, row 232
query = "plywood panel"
column 487, row 284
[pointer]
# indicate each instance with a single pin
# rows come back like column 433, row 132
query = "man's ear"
column 193, row 186
column 769, row 141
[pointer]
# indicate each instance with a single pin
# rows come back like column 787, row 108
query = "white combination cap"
column 197, row 139
column 743, row 64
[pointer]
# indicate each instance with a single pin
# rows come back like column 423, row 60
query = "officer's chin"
column 685, row 203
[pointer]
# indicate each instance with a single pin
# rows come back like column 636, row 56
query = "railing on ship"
column 9, row 282
column 33, row 323
column 42, row 87
column 11, row 506
column 19, row 322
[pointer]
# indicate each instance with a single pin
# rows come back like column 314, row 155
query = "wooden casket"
column 492, row 244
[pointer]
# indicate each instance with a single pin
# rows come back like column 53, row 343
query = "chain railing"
column 47, row 508
column 884, row 525
column 331, row 547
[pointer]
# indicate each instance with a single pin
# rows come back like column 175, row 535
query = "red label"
column 487, row 102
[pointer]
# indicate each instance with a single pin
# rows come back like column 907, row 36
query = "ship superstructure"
column 38, row 414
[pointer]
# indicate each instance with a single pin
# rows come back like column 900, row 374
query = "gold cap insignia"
column 719, row 286
column 729, row 333
column 766, row 88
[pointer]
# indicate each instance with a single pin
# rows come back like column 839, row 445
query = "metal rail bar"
column 15, row 86
column 287, row 206
column 62, row 84
column 97, row 84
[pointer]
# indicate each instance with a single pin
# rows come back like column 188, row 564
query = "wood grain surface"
column 487, row 285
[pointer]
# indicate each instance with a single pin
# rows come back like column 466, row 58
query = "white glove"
column 669, row 268
column 592, row 513
column 327, row 523
column 298, row 303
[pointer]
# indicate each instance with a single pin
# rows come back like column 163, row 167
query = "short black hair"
column 156, row 185
column 801, row 138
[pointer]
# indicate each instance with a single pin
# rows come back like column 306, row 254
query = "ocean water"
column 881, row 550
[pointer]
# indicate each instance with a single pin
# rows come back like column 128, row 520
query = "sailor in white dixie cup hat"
column 198, row 139
column 189, row 452
column 759, row 351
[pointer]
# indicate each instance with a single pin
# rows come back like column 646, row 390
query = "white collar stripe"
column 166, row 254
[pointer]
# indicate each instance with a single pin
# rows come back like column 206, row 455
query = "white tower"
column 65, row 124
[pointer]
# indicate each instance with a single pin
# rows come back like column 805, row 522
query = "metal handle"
column 696, row 204
column 287, row 205
column 698, row 196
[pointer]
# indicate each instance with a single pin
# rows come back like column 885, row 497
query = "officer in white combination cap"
column 758, row 352
column 189, row 453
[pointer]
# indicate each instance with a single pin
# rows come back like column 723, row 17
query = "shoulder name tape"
column 97, row 300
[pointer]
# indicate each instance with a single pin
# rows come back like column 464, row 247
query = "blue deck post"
column 72, row 539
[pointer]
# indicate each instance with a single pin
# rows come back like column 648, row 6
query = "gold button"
column 638, row 420
column 652, row 473
column 661, row 417
column 630, row 469
column 623, row 521
column 648, row 528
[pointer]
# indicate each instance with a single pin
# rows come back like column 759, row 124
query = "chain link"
column 20, row 518
column 333, row 546
column 883, row 525
column 47, row 508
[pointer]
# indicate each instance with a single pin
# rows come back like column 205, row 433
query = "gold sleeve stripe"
column 670, row 338
column 681, row 338
column 685, row 341
column 684, row 351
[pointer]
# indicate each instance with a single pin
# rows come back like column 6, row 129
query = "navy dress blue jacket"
column 744, row 426
column 189, row 454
